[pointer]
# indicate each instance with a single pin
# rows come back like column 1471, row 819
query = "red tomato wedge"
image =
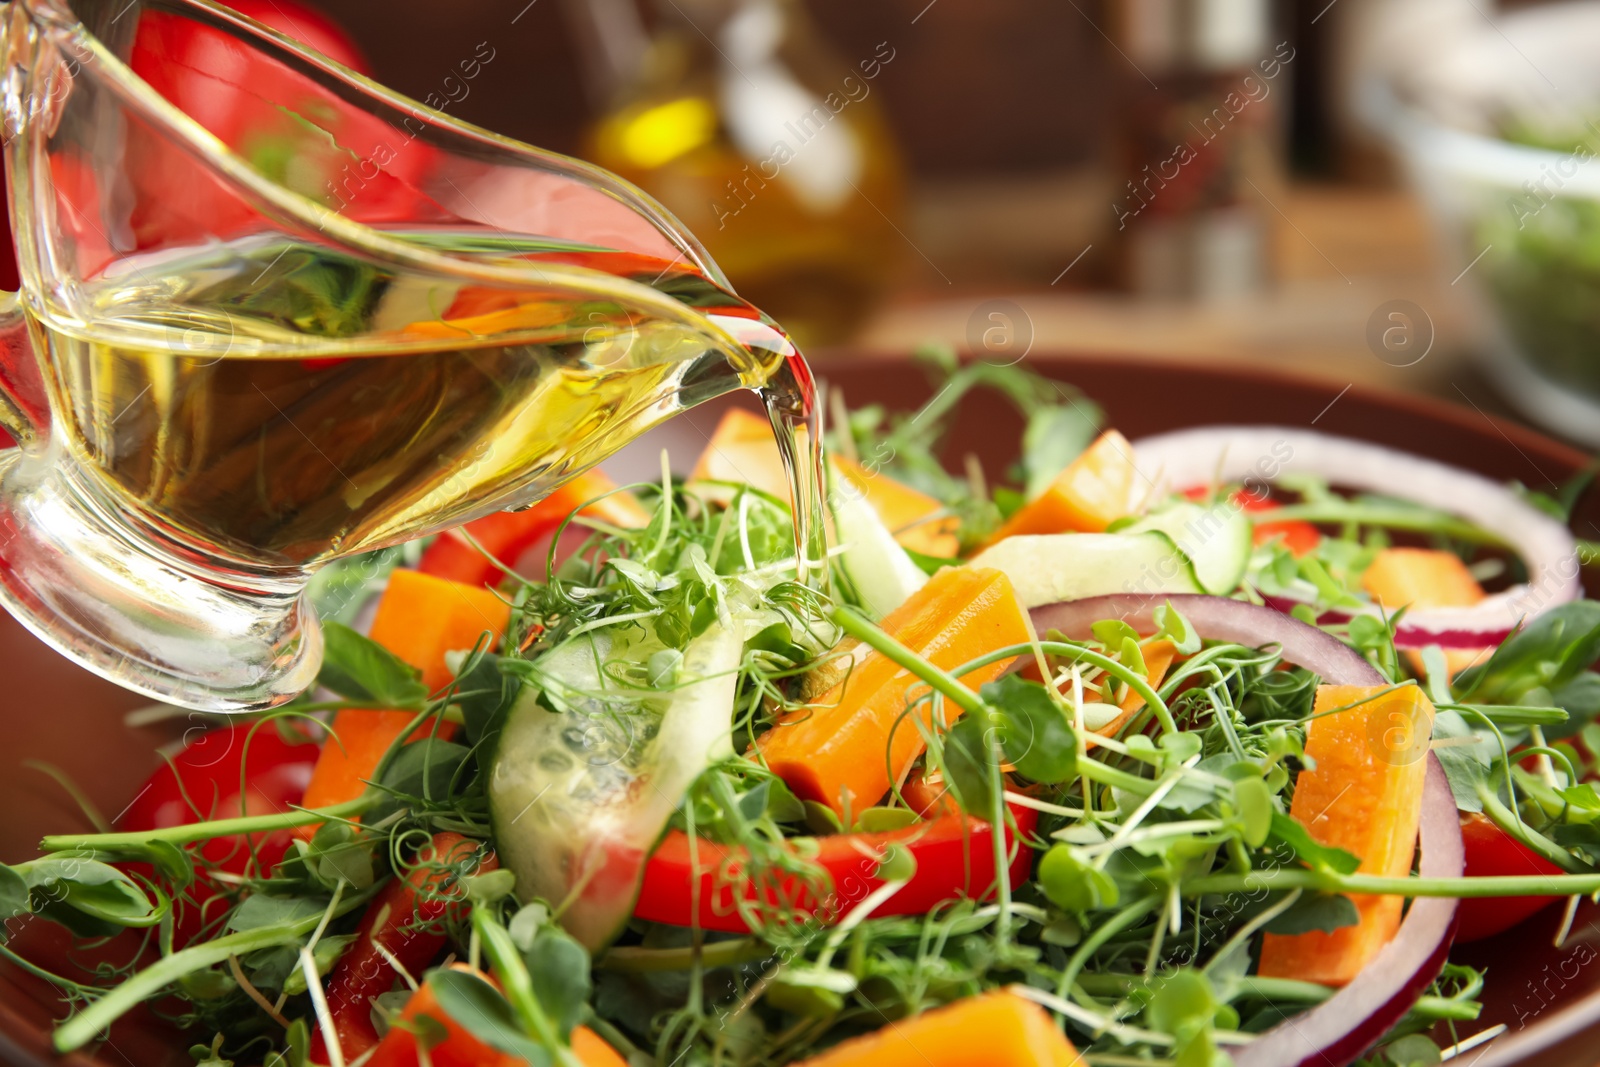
column 1492, row 851
column 954, row 854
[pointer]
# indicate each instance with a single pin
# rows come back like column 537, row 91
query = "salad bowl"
column 69, row 725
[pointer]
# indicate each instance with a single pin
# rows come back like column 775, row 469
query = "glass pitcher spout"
column 273, row 314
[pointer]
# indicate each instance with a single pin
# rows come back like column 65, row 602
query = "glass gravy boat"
column 273, row 313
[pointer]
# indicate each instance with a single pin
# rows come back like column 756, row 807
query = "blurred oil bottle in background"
column 1198, row 146
column 769, row 148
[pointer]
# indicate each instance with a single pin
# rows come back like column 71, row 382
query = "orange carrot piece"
column 593, row 1051
column 1096, row 489
column 1158, row 657
column 743, row 450
column 419, row 619
column 1425, row 578
column 998, row 1029
column 919, row 522
column 834, row 751
column 1364, row 796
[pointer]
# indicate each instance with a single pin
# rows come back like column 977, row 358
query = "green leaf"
column 782, row 804
column 1035, row 734
column 1582, row 796
column 1074, row 885
column 1054, row 436
column 968, row 758
column 1466, row 767
column 1326, row 912
column 1131, row 657
column 359, row 668
column 1253, row 801
column 1112, row 632
column 490, row 886
column 897, row 865
column 1319, row 857
column 1580, row 699
column 1551, row 651
column 259, row 909
column 13, row 895
column 1172, row 626
column 525, row 925
column 883, row 820
column 810, row 992
column 1180, row 1002
column 96, row 891
column 324, row 954
column 559, row 968
column 821, row 819
column 485, row 695
column 478, row 1008
column 339, row 852
column 425, row 769
column 1413, row 1050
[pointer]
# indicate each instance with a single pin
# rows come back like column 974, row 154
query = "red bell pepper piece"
column 507, row 535
column 204, row 781
column 458, row 1048
column 1491, row 851
column 954, row 854
column 399, row 919
column 1299, row 537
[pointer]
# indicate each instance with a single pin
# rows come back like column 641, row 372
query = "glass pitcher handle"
column 24, row 411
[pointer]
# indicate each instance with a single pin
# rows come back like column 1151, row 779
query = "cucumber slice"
column 883, row 575
column 1046, row 568
column 578, row 797
column 1217, row 540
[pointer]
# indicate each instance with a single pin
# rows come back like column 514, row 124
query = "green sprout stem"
column 941, row 681
column 191, row 833
column 1533, row 885
column 518, row 985
column 1359, row 513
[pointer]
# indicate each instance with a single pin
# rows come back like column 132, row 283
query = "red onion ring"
column 1341, row 1028
column 1219, row 619
column 1345, row 1025
column 1258, row 455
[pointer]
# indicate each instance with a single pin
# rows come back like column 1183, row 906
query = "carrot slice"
column 1158, row 657
column 1364, row 796
column 1425, row 578
column 834, row 751
column 743, row 450
column 997, row 1029
column 420, row 618
column 1096, row 489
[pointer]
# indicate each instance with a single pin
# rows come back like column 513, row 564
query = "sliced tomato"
column 507, row 535
column 1492, row 851
column 954, row 855
column 203, row 781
